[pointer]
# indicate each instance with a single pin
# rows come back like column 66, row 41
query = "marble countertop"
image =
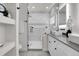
column 63, row 40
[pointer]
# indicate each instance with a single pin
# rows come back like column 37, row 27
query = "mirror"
column 54, row 17
column 3, row 10
column 62, row 17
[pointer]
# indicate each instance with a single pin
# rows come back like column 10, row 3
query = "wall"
column 74, row 13
column 39, row 18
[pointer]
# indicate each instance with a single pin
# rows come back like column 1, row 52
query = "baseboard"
column 34, row 49
column 44, row 50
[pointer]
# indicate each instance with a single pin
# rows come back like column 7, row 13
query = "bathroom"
column 39, row 29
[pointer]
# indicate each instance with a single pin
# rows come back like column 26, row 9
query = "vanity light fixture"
column 33, row 6
column 47, row 7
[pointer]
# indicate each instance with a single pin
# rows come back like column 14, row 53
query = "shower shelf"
column 6, row 20
column 6, row 48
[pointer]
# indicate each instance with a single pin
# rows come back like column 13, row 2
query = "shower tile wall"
column 38, row 21
column 36, row 32
column 74, row 13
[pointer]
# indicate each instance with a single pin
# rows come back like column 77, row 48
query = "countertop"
column 63, row 40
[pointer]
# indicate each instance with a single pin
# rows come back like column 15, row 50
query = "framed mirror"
column 3, row 10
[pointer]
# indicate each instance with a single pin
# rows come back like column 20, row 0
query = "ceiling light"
column 47, row 7
column 33, row 7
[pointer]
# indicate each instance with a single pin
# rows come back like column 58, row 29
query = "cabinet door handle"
column 55, row 48
column 49, row 42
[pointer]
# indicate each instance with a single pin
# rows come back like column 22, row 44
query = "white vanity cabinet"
column 57, row 48
column 54, row 48
column 50, row 42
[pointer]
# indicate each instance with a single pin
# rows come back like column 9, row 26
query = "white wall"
column 74, row 13
column 39, row 18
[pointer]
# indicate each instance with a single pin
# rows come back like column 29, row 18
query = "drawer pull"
column 49, row 42
column 55, row 48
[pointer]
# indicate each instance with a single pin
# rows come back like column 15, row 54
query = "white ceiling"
column 39, row 7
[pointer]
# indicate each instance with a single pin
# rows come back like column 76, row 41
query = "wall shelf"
column 6, row 20
column 6, row 48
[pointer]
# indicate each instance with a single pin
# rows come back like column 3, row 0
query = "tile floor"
column 34, row 53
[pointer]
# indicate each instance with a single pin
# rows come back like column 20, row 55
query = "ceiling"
column 39, row 7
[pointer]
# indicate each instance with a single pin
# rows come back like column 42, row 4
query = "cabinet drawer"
column 58, row 48
column 59, row 52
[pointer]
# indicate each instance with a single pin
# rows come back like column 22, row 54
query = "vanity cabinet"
column 57, row 48
column 54, row 48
